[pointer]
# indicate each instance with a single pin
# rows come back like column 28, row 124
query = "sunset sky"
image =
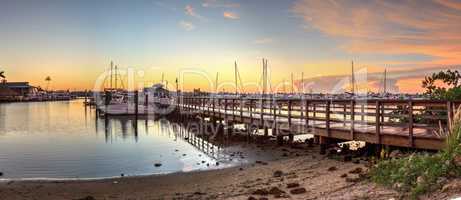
column 74, row 41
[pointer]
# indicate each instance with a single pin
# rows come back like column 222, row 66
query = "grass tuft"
column 422, row 172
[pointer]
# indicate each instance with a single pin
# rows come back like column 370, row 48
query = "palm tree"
column 48, row 80
column 2, row 75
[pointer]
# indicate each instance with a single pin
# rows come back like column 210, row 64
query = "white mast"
column 284, row 86
column 216, row 83
column 385, row 81
column 111, row 72
column 353, row 79
column 116, row 74
column 302, row 82
column 235, row 73
column 264, row 77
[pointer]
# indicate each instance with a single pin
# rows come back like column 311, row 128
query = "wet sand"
column 297, row 169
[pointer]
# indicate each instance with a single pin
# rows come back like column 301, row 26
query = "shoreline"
column 304, row 167
column 66, row 180
column 300, row 173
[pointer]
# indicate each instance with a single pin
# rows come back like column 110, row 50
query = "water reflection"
column 68, row 140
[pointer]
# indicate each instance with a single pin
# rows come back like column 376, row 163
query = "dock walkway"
column 404, row 123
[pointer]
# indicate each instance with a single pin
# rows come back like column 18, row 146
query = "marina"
column 382, row 122
column 230, row 100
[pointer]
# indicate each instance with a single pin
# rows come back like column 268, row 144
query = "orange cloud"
column 428, row 28
column 230, row 15
column 189, row 10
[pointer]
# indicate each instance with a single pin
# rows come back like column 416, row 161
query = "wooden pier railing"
column 405, row 123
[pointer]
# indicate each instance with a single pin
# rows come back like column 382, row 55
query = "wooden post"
column 207, row 105
column 323, row 144
column 203, row 99
column 107, row 100
column 219, row 107
column 214, row 102
column 279, row 139
column 262, row 111
column 241, row 108
column 352, row 119
column 291, row 138
column 314, row 112
column 301, row 108
column 136, row 102
column 306, row 107
column 146, row 103
column 233, row 109
column 289, row 114
column 194, row 103
column 377, row 122
column 274, row 125
column 344, row 114
column 251, row 110
column 86, row 97
column 225, row 109
column 382, row 112
column 410, row 123
column 327, row 116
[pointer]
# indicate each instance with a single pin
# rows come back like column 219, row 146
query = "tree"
column 2, row 75
column 451, row 88
column 48, row 80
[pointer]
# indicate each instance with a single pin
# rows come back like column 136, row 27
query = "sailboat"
column 117, row 95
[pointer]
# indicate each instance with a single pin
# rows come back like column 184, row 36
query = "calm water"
column 65, row 140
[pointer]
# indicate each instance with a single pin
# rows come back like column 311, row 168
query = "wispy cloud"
column 230, row 15
column 189, row 10
column 186, row 25
column 219, row 4
column 425, row 27
column 451, row 4
column 263, row 41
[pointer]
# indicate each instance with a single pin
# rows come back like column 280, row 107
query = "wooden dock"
column 402, row 123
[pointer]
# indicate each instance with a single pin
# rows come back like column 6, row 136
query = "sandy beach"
column 298, row 174
column 296, row 170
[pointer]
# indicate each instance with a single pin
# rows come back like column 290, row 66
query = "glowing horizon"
column 74, row 42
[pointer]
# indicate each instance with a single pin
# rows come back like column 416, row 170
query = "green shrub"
column 421, row 172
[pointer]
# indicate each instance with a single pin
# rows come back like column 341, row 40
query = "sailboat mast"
column 292, row 84
column 116, row 76
column 111, row 72
column 385, row 81
column 216, row 83
column 284, row 86
column 302, row 81
column 264, row 77
column 353, row 79
column 235, row 73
